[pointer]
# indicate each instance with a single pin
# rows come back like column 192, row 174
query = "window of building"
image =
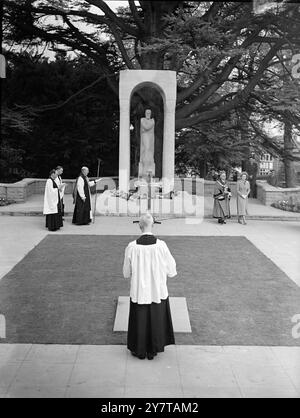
column 266, row 164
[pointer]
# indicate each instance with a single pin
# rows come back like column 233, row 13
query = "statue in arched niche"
column 146, row 163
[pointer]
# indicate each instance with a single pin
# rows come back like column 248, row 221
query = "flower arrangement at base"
column 119, row 193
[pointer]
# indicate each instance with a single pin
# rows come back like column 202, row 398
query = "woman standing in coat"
column 243, row 190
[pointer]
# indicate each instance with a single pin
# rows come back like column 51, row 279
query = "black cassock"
column 150, row 326
column 62, row 205
column 82, row 210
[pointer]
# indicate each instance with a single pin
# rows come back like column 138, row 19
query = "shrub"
column 292, row 204
column 5, row 202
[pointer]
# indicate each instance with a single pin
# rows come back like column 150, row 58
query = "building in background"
column 266, row 164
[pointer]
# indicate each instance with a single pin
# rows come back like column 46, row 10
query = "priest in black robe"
column 82, row 198
column 148, row 263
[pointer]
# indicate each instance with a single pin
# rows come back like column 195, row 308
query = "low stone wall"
column 194, row 186
column 18, row 191
column 268, row 194
column 210, row 184
column 21, row 190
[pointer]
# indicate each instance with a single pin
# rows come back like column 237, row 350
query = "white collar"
column 147, row 233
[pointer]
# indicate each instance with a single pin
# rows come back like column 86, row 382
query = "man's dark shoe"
column 150, row 356
column 140, row 356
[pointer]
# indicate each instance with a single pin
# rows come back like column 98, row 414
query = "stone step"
column 179, row 313
column 292, row 216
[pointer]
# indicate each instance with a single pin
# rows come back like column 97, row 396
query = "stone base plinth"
column 145, row 169
column 180, row 206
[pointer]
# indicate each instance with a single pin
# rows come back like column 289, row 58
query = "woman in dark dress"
column 222, row 195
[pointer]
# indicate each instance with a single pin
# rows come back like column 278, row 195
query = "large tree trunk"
column 288, row 155
column 203, row 169
column 155, row 13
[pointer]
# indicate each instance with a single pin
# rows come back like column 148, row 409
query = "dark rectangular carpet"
column 65, row 291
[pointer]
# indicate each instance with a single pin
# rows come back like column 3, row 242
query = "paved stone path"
column 28, row 370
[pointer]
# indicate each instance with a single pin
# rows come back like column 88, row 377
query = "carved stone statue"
column 146, row 163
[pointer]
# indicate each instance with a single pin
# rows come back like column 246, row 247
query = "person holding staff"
column 82, row 198
column 243, row 190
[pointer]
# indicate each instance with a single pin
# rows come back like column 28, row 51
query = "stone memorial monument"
column 146, row 164
column 164, row 81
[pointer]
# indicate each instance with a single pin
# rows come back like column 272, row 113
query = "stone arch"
column 152, row 96
column 165, row 82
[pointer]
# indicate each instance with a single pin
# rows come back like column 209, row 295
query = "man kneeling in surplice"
column 148, row 262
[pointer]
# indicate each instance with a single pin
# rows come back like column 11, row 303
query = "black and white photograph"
column 149, row 202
